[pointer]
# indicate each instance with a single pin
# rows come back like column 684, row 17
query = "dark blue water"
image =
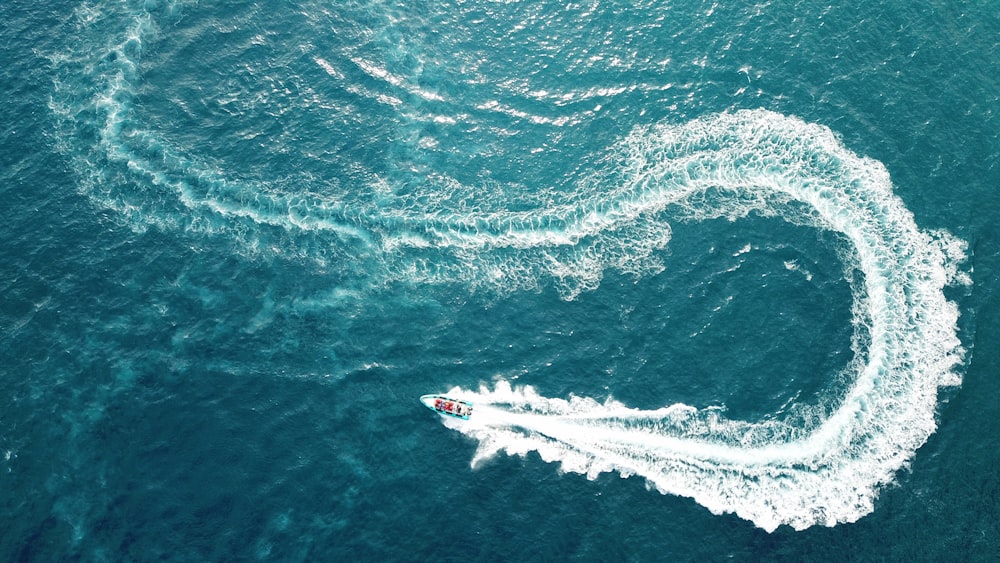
column 745, row 256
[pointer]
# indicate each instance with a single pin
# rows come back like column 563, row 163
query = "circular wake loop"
column 768, row 472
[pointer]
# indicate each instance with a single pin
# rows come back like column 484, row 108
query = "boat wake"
column 618, row 217
column 776, row 471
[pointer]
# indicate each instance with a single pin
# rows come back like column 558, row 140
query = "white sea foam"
column 771, row 472
column 775, row 472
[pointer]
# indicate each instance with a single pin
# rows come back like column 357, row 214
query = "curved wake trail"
column 771, row 472
column 774, row 472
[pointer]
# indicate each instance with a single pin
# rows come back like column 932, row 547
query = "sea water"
column 741, row 255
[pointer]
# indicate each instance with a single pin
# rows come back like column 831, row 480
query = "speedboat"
column 446, row 406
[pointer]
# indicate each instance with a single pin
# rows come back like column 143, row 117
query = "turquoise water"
column 743, row 256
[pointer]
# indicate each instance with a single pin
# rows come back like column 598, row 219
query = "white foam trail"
column 774, row 472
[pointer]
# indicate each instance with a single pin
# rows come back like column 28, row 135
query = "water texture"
column 742, row 255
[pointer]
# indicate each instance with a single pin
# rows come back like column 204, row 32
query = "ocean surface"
column 720, row 279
